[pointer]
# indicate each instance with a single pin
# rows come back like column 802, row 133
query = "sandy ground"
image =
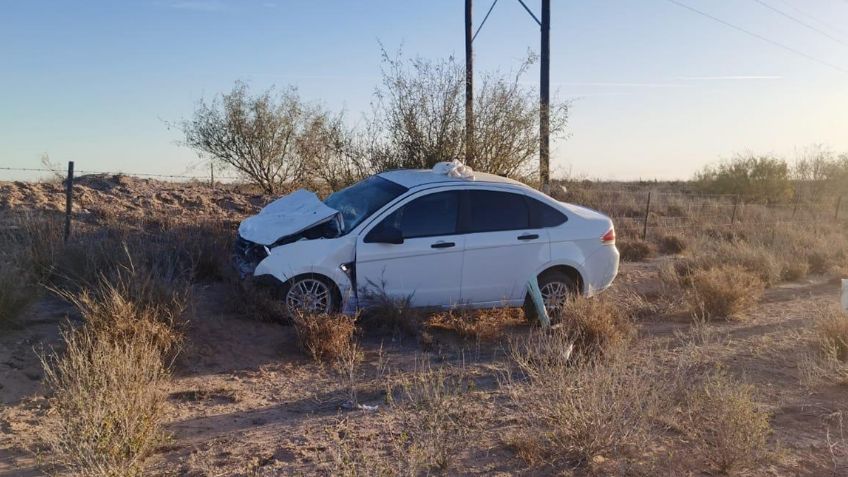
column 245, row 401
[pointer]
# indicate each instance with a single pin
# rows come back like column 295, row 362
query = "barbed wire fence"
column 639, row 211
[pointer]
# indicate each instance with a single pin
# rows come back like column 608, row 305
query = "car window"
column 491, row 211
column 428, row 216
column 359, row 201
column 543, row 215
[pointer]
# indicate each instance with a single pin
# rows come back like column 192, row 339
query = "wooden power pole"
column 544, row 99
column 469, row 87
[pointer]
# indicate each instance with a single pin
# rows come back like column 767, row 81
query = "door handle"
column 442, row 245
column 528, row 237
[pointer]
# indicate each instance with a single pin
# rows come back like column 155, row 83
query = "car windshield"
column 359, row 201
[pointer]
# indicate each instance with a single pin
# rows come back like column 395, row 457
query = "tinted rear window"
column 543, row 215
column 490, row 211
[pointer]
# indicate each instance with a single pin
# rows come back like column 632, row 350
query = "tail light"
column 609, row 237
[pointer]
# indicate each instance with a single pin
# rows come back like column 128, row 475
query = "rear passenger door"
column 502, row 250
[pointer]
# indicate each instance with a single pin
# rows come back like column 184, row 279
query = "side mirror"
column 385, row 234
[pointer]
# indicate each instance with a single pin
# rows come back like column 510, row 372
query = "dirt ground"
column 244, row 400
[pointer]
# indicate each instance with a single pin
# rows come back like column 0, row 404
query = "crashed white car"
column 436, row 237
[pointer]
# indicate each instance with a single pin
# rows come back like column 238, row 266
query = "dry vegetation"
column 168, row 365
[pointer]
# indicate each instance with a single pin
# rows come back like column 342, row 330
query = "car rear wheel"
column 310, row 294
column 556, row 288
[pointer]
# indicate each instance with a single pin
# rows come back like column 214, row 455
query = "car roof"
column 410, row 178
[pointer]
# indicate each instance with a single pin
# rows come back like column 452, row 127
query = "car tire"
column 553, row 281
column 316, row 294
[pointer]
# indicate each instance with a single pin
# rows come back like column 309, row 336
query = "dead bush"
column 819, row 263
column 724, row 292
column 672, row 244
column 832, row 333
column 325, row 337
column 573, row 410
column 794, row 270
column 596, row 324
column 106, row 403
column 476, row 325
column 635, row 250
column 725, row 423
column 382, row 313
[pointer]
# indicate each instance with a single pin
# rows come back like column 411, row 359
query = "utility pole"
column 469, row 87
column 544, row 99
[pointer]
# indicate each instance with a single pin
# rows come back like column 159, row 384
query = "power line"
column 758, row 36
column 801, row 22
column 813, row 18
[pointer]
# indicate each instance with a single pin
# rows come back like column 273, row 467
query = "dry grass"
column 476, row 325
column 726, row 424
column 724, row 292
column 385, row 314
column 635, row 250
column 107, row 403
column 325, row 337
column 672, row 244
column 596, row 325
column 827, row 359
column 570, row 411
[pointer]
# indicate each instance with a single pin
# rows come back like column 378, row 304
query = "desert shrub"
column 819, row 262
column 726, row 424
column 826, row 360
column 758, row 178
column 794, row 269
column 635, row 250
column 724, row 292
column 574, row 410
column 597, row 325
column 756, row 259
column 672, row 244
column 324, row 337
column 107, row 403
column 832, row 333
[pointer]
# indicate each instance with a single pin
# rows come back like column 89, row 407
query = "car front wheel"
column 556, row 288
column 310, row 294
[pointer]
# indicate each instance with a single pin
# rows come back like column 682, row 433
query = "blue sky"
column 657, row 90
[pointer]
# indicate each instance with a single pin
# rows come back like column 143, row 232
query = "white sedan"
column 438, row 239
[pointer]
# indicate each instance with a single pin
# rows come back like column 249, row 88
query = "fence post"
column 69, row 199
column 735, row 207
column 211, row 174
column 797, row 202
column 647, row 214
column 838, row 205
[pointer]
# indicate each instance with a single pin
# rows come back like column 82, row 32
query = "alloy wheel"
column 309, row 295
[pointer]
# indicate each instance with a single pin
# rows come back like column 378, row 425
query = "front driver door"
column 427, row 266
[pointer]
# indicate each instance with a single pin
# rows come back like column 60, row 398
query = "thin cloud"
column 198, row 5
column 728, row 78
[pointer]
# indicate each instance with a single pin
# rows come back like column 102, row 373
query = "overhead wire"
column 760, row 37
column 801, row 22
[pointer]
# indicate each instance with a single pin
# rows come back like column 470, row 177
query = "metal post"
column 735, row 206
column 212, row 174
column 647, row 214
column 544, row 99
column 69, row 199
column 469, row 87
column 838, row 205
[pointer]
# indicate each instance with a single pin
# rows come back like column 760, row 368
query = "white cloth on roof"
column 454, row 168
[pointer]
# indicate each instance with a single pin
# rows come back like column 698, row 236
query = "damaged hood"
column 285, row 216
